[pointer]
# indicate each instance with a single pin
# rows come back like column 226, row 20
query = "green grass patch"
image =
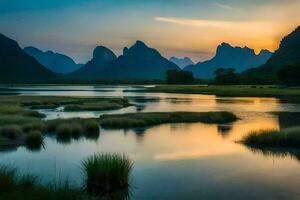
column 106, row 173
column 105, row 104
column 288, row 138
column 134, row 120
column 232, row 91
column 34, row 140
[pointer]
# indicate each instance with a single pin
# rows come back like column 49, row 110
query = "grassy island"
column 231, row 90
column 288, row 138
column 134, row 120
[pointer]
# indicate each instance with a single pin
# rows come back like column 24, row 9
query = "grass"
column 106, row 178
column 106, row 173
column 10, row 131
column 34, row 140
column 28, row 187
column 134, row 120
column 105, row 104
column 288, row 138
column 67, row 129
column 231, row 91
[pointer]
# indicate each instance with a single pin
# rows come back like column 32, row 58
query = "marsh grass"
column 134, row 120
column 34, row 140
column 28, row 187
column 231, row 90
column 107, row 173
column 288, row 138
column 91, row 129
column 10, row 131
column 105, row 104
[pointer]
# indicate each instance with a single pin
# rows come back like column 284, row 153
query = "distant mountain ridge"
column 288, row 53
column 228, row 56
column 16, row 66
column 56, row 62
column 137, row 62
column 96, row 67
column 181, row 62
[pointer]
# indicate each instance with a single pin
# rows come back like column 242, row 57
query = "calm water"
column 173, row 161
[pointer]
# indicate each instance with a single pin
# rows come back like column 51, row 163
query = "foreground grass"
column 231, row 91
column 289, row 138
column 106, row 175
column 133, row 120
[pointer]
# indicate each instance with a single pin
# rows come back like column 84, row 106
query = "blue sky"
column 175, row 27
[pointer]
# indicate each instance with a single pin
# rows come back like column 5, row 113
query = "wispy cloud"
column 223, row 6
column 200, row 22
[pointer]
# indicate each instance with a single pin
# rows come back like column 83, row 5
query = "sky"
column 192, row 28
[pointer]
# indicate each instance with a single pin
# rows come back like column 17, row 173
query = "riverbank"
column 231, row 91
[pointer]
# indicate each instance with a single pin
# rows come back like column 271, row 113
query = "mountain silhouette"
column 137, row 62
column 288, row 53
column 228, row 56
column 55, row 62
column 96, row 67
column 181, row 62
column 16, row 66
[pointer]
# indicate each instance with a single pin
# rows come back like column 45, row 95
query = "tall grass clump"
column 289, row 138
column 34, row 140
column 91, row 129
column 107, row 173
column 11, row 131
column 64, row 133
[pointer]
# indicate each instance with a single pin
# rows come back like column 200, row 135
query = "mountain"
column 181, row 62
column 137, row 62
column 228, row 56
column 16, row 66
column 96, row 67
column 55, row 62
column 288, row 53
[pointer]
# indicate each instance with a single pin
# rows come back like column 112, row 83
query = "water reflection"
column 277, row 152
column 202, row 160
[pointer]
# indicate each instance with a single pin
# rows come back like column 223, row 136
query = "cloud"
column 223, row 6
column 207, row 23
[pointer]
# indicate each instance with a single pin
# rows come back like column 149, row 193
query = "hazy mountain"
column 228, row 56
column 137, row 62
column 16, row 66
column 95, row 68
column 181, row 62
column 55, row 62
column 288, row 53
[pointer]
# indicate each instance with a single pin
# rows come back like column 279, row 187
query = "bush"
column 106, row 173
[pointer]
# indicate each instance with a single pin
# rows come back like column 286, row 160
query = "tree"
column 290, row 74
column 225, row 76
column 179, row 77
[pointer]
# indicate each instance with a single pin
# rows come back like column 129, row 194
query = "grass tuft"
column 288, row 138
column 107, row 173
column 34, row 140
column 10, row 131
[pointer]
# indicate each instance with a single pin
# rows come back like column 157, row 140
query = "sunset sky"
column 175, row 27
